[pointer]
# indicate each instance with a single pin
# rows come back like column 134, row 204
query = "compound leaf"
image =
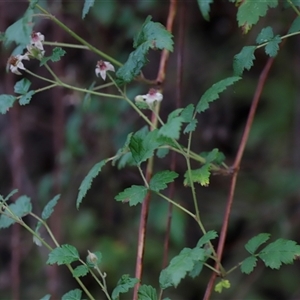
column 243, row 60
column 134, row 195
column 248, row 264
column 65, row 254
column 172, row 128
column 272, row 47
column 265, row 35
column 159, row 180
column 256, row 241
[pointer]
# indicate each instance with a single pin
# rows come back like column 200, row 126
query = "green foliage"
column 46, row 297
column 19, row 209
column 180, row 265
column 25, row 99
column 22, row 86
column 159, row 180
column 213, row 92
column 49, row 208
column 213, row 156
column 65, row 254
column 267, row 36
column 222, row 284
column 152, row 35
column 6, row 102
column 134, row 195
column 210, row 235
column 57, row 54
column 72, row 295
column 9, row 195
column 80, row 271
column 86, row 7
column 200, row 176
column 295, row 27
column 273, row 255
column 20, row 31
column 250, row 11
column 172, row 128
column 204, row 6
column 123, row 286
column 147, row 292
column 243, row 60
column 87, row 181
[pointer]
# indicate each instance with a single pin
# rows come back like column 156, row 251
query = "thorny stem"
column 236, row 165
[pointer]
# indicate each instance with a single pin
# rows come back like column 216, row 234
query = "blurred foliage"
column 267, row 197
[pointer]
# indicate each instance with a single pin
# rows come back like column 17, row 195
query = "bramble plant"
column 146, row 147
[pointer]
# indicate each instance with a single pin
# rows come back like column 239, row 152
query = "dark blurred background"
column 48, row 147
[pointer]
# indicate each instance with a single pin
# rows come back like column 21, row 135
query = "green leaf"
column 159, row 180
column 147, row 292
column 172, row 128
column 279, row 252
column 187, row 113
column 265, row 35
column 248, row 265
column 80, row 271
column 272, row 47
column 20, row 208
column 191, row 126
column 46, row 297
column 134, row 195
column 56, row 55
column 154, row 34
column 25, row 99
column 72, row 295
column 295, row 26
column 86, row 7
column 6, row 102
column 213, row 92
column 10, row 194
column 64, row 254
column 213, row 156
column 250, row 11
column 243, row 60
column 204, row 6
column 200, row 176
column 256, row 241
column 20, row 31
column 162, row 152
column 22, row 86
column 49, row 208
column 123, row 286
column 222, row 284
column 87, row 181
column 210, row 235
column 180, row 265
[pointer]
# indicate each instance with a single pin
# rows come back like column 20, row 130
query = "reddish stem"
column 261, row 82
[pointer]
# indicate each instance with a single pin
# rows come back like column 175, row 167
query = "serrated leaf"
column 22, row 86
column 198, row 267
column 6, row 102
column 248, row 264
column 200, row 176
column 80, row 271
column 49, row 208
column 210, row 235
column 20, row 31
column 155, row 34
column 272, row 47
column 179, row 266
column 191, row 126
column 87, row 181
column 187, row 113
column 172, row 128
column 65, row 254
column 174, row 113
column 25, row 99
column 10, row 194
column 134, row 195
column 123, row 286
column 250, row 11
column 213, row 92
column 204, row 6
column 295, row 26
column 20, row 208
column 162, row 152
column 159, row 180
column 147, row 292
column 253, row 244
column 72, row 295
column 213, row 156
column 222, row 284
column 279, row 252
column 243, row 60
column 56, row 55
column 265, row 35
column 86, row 7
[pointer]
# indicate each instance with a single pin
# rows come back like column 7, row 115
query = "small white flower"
column 152, row 96
column 92, row 258
column 37, row 40
column 15, row 63
column 102, row 67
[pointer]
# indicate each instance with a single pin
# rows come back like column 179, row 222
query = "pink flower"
column 37, row 40
column 152, row 96
column 15, row 63
column 102, row 67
